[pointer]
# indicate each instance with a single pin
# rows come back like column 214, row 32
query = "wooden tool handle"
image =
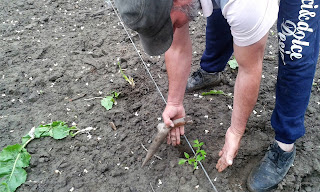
column 182, row 121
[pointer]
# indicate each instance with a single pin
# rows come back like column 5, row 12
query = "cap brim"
column 159, row 43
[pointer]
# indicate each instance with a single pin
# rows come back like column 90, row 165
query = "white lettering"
column 287, row 27
column 304, row 43
column 295, row 55
column 299, row 35
column 303, row 26
column 298, row 31
column 303, row 2
column 282, row 36
column 305, row 14
column 299, row 48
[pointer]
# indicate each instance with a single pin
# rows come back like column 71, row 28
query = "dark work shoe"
column 271, row 170
column 200, row 79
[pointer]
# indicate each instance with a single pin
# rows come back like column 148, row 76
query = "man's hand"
column 170, row 113
column 229, row 150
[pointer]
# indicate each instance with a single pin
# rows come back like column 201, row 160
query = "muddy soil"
column 58, row 58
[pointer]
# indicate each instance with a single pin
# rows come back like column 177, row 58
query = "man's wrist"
column 237, row 131
column 174, row 103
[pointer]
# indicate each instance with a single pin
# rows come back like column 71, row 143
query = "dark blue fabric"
column 219, row 44
column 298, row 31
column 298, row 54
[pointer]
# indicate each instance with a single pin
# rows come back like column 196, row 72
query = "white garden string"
column 204, row 170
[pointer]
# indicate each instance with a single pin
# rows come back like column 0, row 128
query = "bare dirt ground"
column 57, row 54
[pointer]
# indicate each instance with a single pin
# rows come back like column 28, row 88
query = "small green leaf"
column 213, row 92
column 196, row 141
column 116, row 95
column 186, row 155
column 107, row 102
column 195, row 164
column 182, row 161
column 203, row 152
column 60, row 131
column 199, row 158
column 233, row 63
column 191, row 160
column 42, row 131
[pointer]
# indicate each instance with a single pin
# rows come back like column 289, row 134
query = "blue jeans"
column 299, row 37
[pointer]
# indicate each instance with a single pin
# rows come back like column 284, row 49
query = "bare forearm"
column 247, row 83
column 178, row 61
column 245, row 97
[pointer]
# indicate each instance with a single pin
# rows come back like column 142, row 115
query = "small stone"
column 311, row 109
column 57, row 172
column 308, row 189
column 183, row 180
column 41, row 160
column 173, row 163
column 33, row 97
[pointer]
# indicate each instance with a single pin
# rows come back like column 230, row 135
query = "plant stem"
column 27, row 142
column 18, row 156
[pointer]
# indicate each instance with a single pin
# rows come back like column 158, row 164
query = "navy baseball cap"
column 151, row 19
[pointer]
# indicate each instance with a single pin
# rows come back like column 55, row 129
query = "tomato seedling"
column 199, row 156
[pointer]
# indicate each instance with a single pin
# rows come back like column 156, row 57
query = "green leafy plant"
column 214, row 92
column 200, row 155
column 108, row 101
column 15, row 158
column 128, row 79
column 233, row 63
